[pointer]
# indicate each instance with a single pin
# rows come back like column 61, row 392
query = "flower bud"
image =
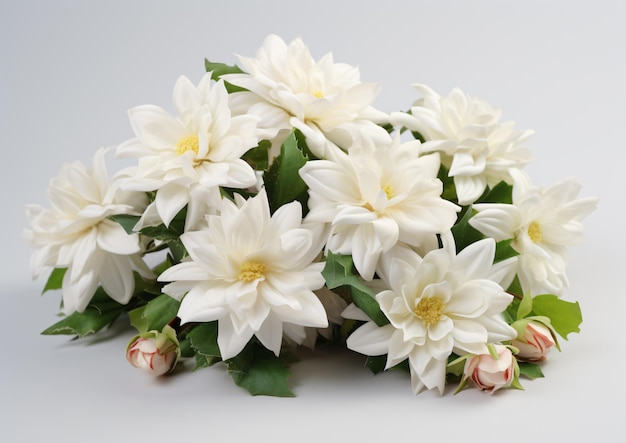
column 489, row 373
column 153, row 351
column 535, row 343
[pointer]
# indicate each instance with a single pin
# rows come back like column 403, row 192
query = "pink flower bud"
column 491, row 374
column 535, row 344
column 155, row 352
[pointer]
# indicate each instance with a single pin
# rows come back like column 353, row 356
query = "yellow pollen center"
column 534, row 232
column 430, row 310
column 388, row 191
column 318, row 94
column 189, row 143
column 251, row 270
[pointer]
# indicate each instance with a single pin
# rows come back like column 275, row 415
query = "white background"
column 71, row 69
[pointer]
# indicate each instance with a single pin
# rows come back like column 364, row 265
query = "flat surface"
column 70, row 70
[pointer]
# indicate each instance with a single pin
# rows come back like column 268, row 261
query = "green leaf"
column 525, row 307
column 530, row 370
column 376, row 364
column 127, row 222
column 449, row 188
column 260, row 372
column 500, row 193
column 203, row 340
column 504, row 250
column 155, row 314
column 219, row 69
column 282, row 180
column 464, row 234
column 101, row 312
column 338, row 271
column 258, row 158
column 55, row 280
column 565, row 317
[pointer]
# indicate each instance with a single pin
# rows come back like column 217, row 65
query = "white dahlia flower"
column 476, row 147
column 543, row 222
column 325, row 100
column 438, row 305
column 186, row 157
column 77, row 234
column 377, row 196
column 253, row 273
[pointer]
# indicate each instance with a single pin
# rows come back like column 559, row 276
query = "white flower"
column 252, row 273
column 186, row 157
column 438, row 305
column 377, row 196
column 323, row 99
column 478, row 149
column 543, row 222
column 76, row 234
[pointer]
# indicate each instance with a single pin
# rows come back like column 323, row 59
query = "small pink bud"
column 154, row 352
column 491, row 374
column 535, row 344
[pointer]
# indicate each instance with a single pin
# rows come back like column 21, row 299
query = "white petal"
column 370, row 339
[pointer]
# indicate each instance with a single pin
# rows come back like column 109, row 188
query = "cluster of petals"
column 76, row 234
column 543, row 223
column 253, row 273
column 376, row 196
column 437, row 305
column 287, row 88
column 478, row 149
column 187, row 156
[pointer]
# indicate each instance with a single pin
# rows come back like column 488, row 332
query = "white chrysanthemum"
column 377, row 196
column 186, row 157
column 76, row 234
column 478, row 149
column 438, row 305
column 253, row 273
column 325, row 100
column 543, row 222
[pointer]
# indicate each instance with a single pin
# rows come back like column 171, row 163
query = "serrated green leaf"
column 530, row 370
column 203, row 340
column 126, row 221
column 260, row 372
column 282, row 180
column 218, row 69
column 338, row 271
column 565, row 317
column 101, row 312
column 258, row 158
column 55, row 280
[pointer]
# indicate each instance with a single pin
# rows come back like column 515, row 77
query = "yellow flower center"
column 388, row 191
column 251, row 271
column 189, row 143
column 534, row 232
column 318, row 94
column 430, row 310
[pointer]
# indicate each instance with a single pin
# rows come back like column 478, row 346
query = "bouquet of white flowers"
column 277, row 208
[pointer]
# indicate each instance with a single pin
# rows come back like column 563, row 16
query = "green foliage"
column 464, row 234
column 530, row 370
column 170, row 235
column 55, row 280
column 260, row 372
column 504, row 250
column 258, row 157
column 203, row 340
column 449, row 188
column 126, row 221
column 338, row 271
column 500, row 193
column 155, row 314
column 102, row 311
column 282, row 181
column 565, row 317
column 376, row 363
column 219, row 69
